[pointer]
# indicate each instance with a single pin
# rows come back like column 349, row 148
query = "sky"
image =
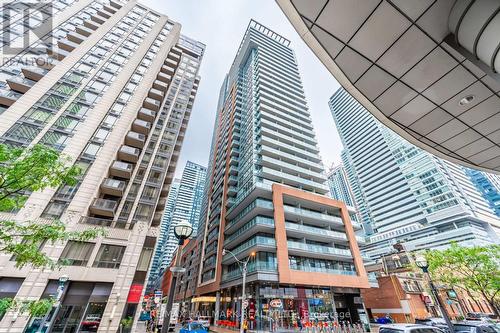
column 220, row 25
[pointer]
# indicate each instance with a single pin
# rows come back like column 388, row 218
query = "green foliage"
column 6, row 304
column 37, row 308
column 127, row 322
column 31, row 170
column 474, row 269
column 23, row 171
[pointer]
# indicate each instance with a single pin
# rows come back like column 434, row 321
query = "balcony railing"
column 315, row 231
column 318, row 249
column 312, row 214
column 323, row 270
column 258, row 220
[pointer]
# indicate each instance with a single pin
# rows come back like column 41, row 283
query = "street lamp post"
column 243, row 266
column 57, row 304
column 421, row 262
column 182, row 231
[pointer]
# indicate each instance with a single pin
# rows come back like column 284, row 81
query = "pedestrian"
column 299, row 324
column 245, row 326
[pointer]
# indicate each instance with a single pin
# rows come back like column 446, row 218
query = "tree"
column 23, row 171
column 475, row 269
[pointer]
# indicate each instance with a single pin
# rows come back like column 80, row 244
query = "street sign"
column 174, row 314
column 158, row 296
column 163, row 309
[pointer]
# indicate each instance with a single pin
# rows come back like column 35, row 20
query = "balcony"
column 171, row 62
column 232, row 191
column 75, row 37
column 167, row 70
column 103, row 13
column 232, row 180
column 66, row 45
column 164, row 77
column 103, row 207
column 34, row 73
column 91, row 25
column 318, row 251
column 129, row 154
column 7, row 98
column 84, row 31
column 151, row 104
column 141, row 126
column 20, row 84
column 109, row 9
column 113, row 187
column 161, row 204
column 146, row 115
column 156, row 94
column 255, row 225
column 160, row 85
column 135, row 139
column 257, row 243
column 57, row 53
column 46, row 62
column 312, row 216
column 115, row 4
column 121, row 169
column 98, row 19
column 319, row 234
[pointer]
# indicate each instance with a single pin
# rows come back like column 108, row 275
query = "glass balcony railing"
column 313, row 230
column 318, row 248
column 260, row 203
column 258, row 220
column 311, row 214
column 323, row 270
column 252, row 267
column 257, row 240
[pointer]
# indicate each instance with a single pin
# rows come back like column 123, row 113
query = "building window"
column 109, row 256
column 76, row 253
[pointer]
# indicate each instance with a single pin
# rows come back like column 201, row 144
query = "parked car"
column 409, row 328
column 480, row 316
column 475, row 326
column 433, row 321
column 204, row 320
column 193, row 327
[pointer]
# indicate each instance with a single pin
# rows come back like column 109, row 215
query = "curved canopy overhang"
column 426, row 69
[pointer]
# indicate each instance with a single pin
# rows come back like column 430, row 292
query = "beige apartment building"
column 110, row 84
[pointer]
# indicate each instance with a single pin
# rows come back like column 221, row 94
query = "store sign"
column 134, row 295
column 158, row 296
column 276, row 303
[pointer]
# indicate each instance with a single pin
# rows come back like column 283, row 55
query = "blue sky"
column 220, row 24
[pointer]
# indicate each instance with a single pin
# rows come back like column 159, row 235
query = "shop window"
column 109, row 256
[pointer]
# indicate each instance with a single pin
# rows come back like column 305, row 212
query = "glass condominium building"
column 111, row 85
column 183, row 204
column 339, row 185
column 266, row 195
column 403, row 193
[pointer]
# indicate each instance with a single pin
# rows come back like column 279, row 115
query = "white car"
column 409, row 328
column 204, row 321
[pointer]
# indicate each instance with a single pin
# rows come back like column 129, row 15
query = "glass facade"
column 403, row 193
